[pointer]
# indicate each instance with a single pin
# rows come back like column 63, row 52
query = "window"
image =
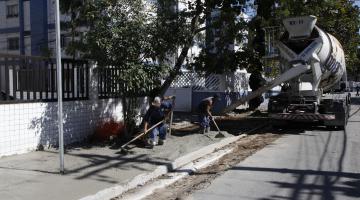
column 13, row 43
column 63, row 40
column 27, row 33
column 12, row 11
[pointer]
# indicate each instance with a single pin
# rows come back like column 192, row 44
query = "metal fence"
column 110, row 84
column 197, row 82
column 272, row 34
column 236, row 81
column 189, row 80
column 29, row 78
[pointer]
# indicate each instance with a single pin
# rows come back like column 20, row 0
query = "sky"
column 357, row 2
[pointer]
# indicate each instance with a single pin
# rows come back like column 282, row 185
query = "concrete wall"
column 183, row 98
column 24, row 126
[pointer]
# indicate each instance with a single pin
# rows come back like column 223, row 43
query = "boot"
column 207, row 129
column 161, row 142
column 151, row 143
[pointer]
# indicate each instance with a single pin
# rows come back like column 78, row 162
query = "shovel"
column 172, row 114
column 219, row 135
column 124, row 151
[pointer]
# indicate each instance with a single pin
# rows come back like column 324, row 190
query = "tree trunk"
column 125, row 117
column 180, row 60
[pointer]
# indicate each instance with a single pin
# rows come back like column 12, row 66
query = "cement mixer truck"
column 313, row 77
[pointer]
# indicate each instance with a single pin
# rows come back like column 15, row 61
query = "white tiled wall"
column 24, row 126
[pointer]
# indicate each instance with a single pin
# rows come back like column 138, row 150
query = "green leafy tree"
column 121, row 34
column 139, row 39
column 231, row 28
column 75, row 21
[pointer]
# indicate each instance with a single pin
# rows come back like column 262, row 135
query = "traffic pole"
column 59, row 86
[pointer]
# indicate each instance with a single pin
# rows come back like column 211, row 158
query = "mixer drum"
column 332, row 60
column 331, row 55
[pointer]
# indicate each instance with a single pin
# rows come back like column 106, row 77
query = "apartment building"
column 28, row 27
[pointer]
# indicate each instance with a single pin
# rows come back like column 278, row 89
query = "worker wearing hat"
column 205, row 115
column 157, row 112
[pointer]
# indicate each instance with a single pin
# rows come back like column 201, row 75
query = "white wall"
column 24, row 126
column 183, row 98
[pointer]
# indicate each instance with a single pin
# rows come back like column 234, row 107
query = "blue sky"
column 357, row 3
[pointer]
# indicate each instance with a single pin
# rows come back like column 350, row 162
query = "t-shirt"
column 204, row 104
column 156, row 114
column 166, row 106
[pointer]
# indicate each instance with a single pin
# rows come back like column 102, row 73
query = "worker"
column 157, row 112
column 357, row 90
column 205, row 115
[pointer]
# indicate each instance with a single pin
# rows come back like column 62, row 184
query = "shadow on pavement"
column 326, row 190
column 325, row 184
column 355, row 100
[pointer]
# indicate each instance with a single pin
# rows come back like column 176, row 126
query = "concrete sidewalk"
column 90, row 170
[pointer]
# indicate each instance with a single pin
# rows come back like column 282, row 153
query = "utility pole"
column 59, row 87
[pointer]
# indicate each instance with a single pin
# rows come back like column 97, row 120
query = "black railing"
column 108, row 82
column 29, row 78
column 111, row 85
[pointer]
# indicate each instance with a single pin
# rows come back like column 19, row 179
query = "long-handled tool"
column 124, row 151
column 172, row 114
column 171, row 120
column 219, row 135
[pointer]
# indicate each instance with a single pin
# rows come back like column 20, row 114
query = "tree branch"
column 202, row 29
column 194, row 21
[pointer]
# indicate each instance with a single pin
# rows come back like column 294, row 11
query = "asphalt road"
column 310, row 164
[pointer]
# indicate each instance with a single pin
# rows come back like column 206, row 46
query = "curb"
column 178, row 174
column 141, row 179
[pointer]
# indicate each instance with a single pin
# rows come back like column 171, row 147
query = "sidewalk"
column 90, row 170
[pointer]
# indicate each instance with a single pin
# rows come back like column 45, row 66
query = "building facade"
column 28, row 27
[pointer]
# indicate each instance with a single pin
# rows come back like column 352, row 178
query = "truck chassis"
column 332, row 111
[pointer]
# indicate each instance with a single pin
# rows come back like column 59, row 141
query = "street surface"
column 313, row 164
column 298, row 162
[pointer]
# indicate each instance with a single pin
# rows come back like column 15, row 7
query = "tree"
column 231, row 27
column 75, row 21
column 137, row 38
column 121, row 35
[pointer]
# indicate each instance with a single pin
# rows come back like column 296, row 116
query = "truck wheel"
column 278, row 124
